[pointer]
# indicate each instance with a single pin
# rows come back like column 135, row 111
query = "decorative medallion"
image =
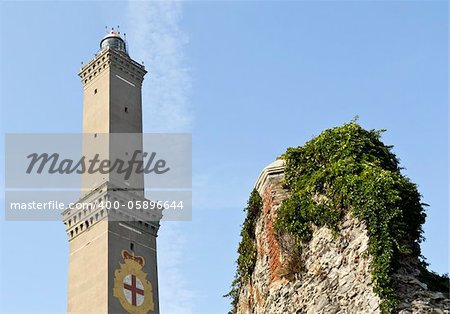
column 131, row 287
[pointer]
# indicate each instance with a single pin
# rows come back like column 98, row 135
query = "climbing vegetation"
column 346, row 169
column 247, row 247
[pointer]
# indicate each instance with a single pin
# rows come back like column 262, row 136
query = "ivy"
column 346, row 169
column 247, row 247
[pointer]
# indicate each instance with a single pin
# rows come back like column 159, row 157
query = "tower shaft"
column 112, row 242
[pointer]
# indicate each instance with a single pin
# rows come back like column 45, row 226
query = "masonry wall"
column 331, row 275
column 88, row 267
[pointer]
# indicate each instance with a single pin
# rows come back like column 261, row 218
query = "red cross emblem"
column 133, row 290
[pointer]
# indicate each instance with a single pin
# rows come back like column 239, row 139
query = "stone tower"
column 112, row 241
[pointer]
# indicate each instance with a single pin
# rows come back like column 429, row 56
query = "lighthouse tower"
column 112, row 241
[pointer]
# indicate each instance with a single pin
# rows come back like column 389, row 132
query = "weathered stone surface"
column 332, row 275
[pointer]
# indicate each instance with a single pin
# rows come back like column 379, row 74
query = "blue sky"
column 248, row 79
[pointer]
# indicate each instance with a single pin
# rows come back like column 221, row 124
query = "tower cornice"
column 111, row 59
column 90, row 212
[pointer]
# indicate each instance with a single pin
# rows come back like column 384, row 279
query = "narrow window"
column 126, row 109
column 95, row 91
column 132, row 246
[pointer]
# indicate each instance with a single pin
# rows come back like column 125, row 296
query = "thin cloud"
column 175, row 295
column 155, row 37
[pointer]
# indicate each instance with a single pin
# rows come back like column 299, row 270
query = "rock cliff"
column 330, row 273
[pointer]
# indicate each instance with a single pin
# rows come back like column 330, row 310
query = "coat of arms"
column 131, row 286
